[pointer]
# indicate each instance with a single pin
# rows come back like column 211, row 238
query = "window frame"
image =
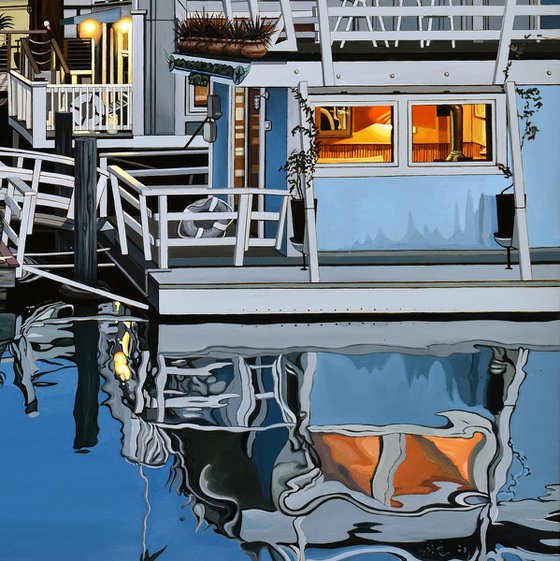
column 402, row 135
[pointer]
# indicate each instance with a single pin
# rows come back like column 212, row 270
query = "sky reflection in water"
column 239, row 449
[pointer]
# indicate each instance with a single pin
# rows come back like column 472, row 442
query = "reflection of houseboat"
column 404, row 442
column 412, row 141
column 425, row 481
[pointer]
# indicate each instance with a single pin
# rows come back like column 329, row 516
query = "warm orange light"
column 122, row 371
column 90, row 29
column 123, row 25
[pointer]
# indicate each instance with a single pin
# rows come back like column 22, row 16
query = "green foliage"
column 300, row 164
column 217, row 26
column 532, row 102
column 6, row 21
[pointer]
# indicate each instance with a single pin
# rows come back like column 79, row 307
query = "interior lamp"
column 123, row 25
column 90, row 29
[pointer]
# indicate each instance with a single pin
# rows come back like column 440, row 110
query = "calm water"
column 126, row 440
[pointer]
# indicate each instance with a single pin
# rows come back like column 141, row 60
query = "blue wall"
column 221, row 146
column 453, row 212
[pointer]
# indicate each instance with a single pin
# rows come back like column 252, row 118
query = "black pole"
column 85, row 218
column 63, row 136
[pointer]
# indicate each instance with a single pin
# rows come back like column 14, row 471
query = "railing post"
column 326, row 44
column 520, row 224
column 505, row 39
column 38, row 115
column 309, row 203
column 138, row 21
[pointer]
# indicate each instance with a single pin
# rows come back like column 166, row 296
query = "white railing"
column 387, row 22
column 54, row 190
column 426, row 20
column 95, row 107
column 98, row 108
column 26, row 100
column 145, row 213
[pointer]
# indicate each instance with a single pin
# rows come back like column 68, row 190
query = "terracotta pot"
column 253, row 49
column 186, row 45
column 233, row 48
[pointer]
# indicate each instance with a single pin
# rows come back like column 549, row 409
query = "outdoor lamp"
column 123, row 25
column 90, row 29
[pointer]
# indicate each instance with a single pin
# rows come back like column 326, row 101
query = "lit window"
column 451, row 133
column 361, row 134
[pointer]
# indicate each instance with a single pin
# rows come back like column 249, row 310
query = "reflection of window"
column 451, row 133
column 355, row 134
column 334, row 121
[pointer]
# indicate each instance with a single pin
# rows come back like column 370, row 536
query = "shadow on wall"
column 407, row 213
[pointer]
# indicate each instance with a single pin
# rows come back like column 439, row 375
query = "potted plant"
column 300, row 168
column 214, row 34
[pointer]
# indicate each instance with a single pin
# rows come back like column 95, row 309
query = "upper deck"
column 339, row 42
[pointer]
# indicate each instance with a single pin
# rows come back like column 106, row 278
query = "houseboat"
column 431, row 130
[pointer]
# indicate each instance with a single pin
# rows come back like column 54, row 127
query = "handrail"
column 29, row 55
column 23, row 32
column 60, row 56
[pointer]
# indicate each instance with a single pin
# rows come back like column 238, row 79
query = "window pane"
column 355, row 134
column 451, row 133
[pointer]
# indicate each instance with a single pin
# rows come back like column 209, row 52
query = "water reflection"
column 377, row 447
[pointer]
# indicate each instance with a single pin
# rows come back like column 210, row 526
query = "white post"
column 309, row 203
column 326, row 43
column 39, row 112
column 520, row 224
column 137, row 38
column 505, row 39
column 162, row 233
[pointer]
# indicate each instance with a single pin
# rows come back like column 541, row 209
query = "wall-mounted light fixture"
column 124, row 25
column 257, row 100
column 90, row 29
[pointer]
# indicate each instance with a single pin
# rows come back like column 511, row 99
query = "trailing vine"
column 300, row 164
column 532, row 103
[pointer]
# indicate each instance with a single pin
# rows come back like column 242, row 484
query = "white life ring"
column 205, row 228
column 90, row 117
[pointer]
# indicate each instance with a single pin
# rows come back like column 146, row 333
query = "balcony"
column 105, row 109
column 335, row 33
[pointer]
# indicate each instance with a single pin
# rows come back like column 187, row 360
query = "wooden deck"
column 399, row 290
column 364, row 283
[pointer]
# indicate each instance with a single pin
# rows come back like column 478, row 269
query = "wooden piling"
column 85, row 219
column 63, row 134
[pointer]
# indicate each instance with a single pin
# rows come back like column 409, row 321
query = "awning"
column 103, row 16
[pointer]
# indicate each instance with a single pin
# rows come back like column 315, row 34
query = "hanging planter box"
column 246, row 49
column 223, row 70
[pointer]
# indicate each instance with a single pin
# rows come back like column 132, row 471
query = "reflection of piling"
column 86, row 405
column 85, row 219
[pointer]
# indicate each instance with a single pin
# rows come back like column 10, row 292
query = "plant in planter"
column 214, row 34
column 300, row 169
